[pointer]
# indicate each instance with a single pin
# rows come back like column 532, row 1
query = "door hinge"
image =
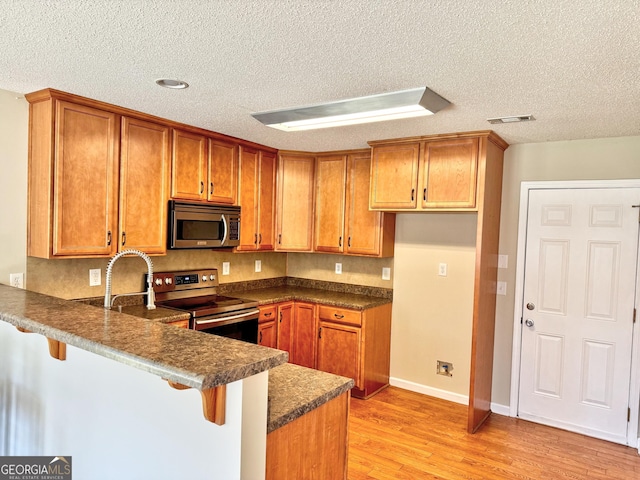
column 628, row 414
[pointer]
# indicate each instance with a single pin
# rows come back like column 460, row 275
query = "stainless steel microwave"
column 201, row 225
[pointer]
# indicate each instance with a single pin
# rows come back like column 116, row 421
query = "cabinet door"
column 295, row 203
column 285, row 326
column 339, row 350
column 449, row 173
column 144, row 186
column 304, row 335
column 86, row 181
column 394, row 176
column 364, row 227
column 248, row 199
column 267, row 201
column 330, row 203
column 223, row 172
column 189, row 166
column 267, row 334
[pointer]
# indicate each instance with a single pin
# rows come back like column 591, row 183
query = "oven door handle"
column 226, row 319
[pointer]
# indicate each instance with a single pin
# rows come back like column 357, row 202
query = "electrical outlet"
column 95, row 277
column 503, row 261
column 501, row 288
column 442, row 269
column 444, row 368
column 225, row 268
column 16, row 280
column 386, row 273
column 258, row 266
column 339, row 268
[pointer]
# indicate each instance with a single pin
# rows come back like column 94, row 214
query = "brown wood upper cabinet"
column 204, row 169
column 294, row 212
column 78, row 204
column 343, row 221
column 257, row 199
column 425, row 173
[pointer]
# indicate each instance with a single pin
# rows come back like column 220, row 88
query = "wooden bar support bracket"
column 57, row 349
column 214, row 401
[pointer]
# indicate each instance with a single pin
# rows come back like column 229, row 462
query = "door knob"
column 530, row 306
column 528, row 322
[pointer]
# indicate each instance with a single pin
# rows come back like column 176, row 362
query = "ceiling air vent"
column 512, row 119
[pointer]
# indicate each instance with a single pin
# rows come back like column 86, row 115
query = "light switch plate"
column 95, row 277
column 258, row 266
column 501, row 288
column 16, row 280
column 503, row 261
column 225, row 268
column 386, row 273
column 339, row 268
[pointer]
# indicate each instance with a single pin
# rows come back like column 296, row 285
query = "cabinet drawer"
column 340, row 315
column 267, row 313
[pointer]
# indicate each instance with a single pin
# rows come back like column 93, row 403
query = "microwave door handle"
column 226, row 229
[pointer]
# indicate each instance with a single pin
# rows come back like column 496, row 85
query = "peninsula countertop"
column 194, row 359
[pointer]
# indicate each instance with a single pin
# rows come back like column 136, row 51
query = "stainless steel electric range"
column 196, row 292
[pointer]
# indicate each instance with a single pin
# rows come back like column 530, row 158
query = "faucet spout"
column 150, row 294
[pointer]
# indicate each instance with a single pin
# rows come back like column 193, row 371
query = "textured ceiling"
column 574, row 65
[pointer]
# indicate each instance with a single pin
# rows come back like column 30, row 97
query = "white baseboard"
column 443, row 394
column 431, row 391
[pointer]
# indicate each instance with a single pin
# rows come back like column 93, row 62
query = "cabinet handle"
column 109, row 238
column 259, row 238
column 424, row 194
column 268, row 314
column 201, row 187
column 260, row 339
column 413, row 193
column 349, row 242
column 340, row 242
column 280, row 317
column 320, row 332
column 337, row 315
column 255, row 238
column 279, row 239
column 211, row 192
column 124, row 238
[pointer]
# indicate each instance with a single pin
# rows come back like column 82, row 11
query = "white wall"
column 116, row 421
column 14, row 117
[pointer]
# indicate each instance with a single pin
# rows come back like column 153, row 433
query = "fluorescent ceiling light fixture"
column 169, row 83
column 416, row 102
column 512, row 119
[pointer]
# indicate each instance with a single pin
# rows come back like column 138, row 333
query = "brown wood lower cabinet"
column 312, row 446
column 352, row 343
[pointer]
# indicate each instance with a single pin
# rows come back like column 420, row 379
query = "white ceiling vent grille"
column 512, row 119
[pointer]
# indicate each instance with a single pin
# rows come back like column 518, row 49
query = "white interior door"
column 578, row 309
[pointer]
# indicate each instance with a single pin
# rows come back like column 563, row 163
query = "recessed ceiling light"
column 373, row 108
column 169, row 83
column 512, row 119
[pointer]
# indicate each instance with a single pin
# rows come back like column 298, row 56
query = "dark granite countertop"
column 194, row 359
column 285, row 293
column 296, row 390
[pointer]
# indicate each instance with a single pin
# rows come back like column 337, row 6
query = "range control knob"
column 158, row 281
column 212, row 277
column 168, row 281
column 204, row 278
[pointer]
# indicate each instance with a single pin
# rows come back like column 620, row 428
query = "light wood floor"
column 399, row 434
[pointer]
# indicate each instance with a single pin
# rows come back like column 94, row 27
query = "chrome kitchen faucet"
column 108, row 302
